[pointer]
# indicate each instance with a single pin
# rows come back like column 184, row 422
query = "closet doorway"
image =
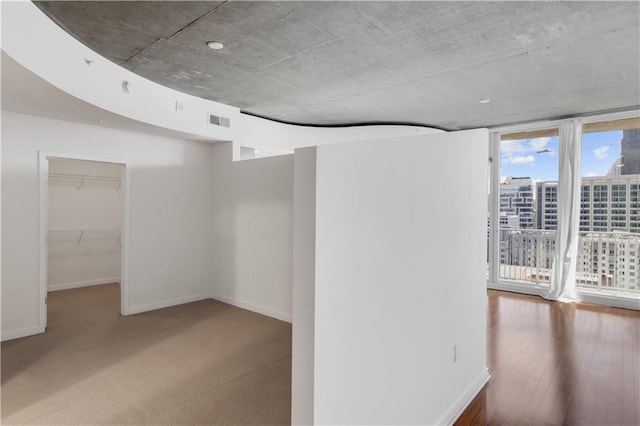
column 83, row 224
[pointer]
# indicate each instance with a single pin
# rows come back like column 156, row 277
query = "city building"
column 509, row 221
column 517, row 200
column 547, row 205
column 527, row 247
column 607, row 203
column 609, row 261
column 609, row 221
column 630, row 152
column 610, row 203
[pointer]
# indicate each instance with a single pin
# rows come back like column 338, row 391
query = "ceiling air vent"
column 216, row 120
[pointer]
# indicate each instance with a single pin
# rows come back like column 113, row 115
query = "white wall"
column 253, row 232
column 40, row 45
column 170, row 213
column 84, row 223
column 400, row 249
column 274, row 138
column 304, row 272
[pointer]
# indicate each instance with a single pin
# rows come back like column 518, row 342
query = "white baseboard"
column 532, row 289
column 628, row 302
column 67, row 286
column 250, row 307
column 164, row 304
column 584, row 295
column 461, row 404
column 21, row 332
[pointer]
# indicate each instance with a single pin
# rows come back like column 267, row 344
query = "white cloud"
column 602, row 152
column 523, row 145
column 519, row 151
column 520, row 159
column 538, row 144
column 511, row 146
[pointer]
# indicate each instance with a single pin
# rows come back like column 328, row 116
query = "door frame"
column 43, row 228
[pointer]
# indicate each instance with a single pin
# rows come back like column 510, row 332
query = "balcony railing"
column 607, row 261
column 526, row 255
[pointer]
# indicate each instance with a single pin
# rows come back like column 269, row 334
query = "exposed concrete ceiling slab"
column 416, row 39
column 331, row 63
column 256, row 35
column 120, row 32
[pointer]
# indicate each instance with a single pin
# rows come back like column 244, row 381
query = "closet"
column 84, row 221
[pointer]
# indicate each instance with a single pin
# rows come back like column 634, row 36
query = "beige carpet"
column 200, row 363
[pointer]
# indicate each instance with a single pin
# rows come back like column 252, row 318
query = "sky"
column 538, row 158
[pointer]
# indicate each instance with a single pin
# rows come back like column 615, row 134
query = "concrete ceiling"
column 331, row 63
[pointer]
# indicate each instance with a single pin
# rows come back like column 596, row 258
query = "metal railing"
column 526, row 255
column 607, row 261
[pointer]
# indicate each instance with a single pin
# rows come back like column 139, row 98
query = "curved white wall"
column 36, row 42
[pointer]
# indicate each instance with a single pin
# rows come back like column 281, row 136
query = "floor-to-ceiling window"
column 609, row 248
column 525, row 208
column 528, row 187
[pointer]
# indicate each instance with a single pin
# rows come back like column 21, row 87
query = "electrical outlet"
column 456, row 352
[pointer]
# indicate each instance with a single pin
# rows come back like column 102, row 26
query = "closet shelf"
column 80, row 181
column 76, row 236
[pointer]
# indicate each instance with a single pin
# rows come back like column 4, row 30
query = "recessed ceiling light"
column 484, row 101
column 215, row 45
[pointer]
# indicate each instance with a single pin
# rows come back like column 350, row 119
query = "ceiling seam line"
column 172, row 35
column 303, row 19
column 195, row 21
column 137, row 52
column 295, row 55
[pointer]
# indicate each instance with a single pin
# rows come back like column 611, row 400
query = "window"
column 528, row 208
column 609, row 201
column 609, row 196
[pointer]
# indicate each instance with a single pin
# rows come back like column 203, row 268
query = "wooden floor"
column 211, row 363
column 555, row 363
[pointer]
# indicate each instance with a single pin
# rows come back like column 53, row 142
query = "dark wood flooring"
column 554, row 363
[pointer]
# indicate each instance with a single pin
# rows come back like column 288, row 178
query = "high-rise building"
column 610, row 203
column 530, row 248
column 547, row 205
column 609, row 261
column 630, row 152
column 607, row 203
column 616, row 167
column 509, row 221
column 517, row 199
